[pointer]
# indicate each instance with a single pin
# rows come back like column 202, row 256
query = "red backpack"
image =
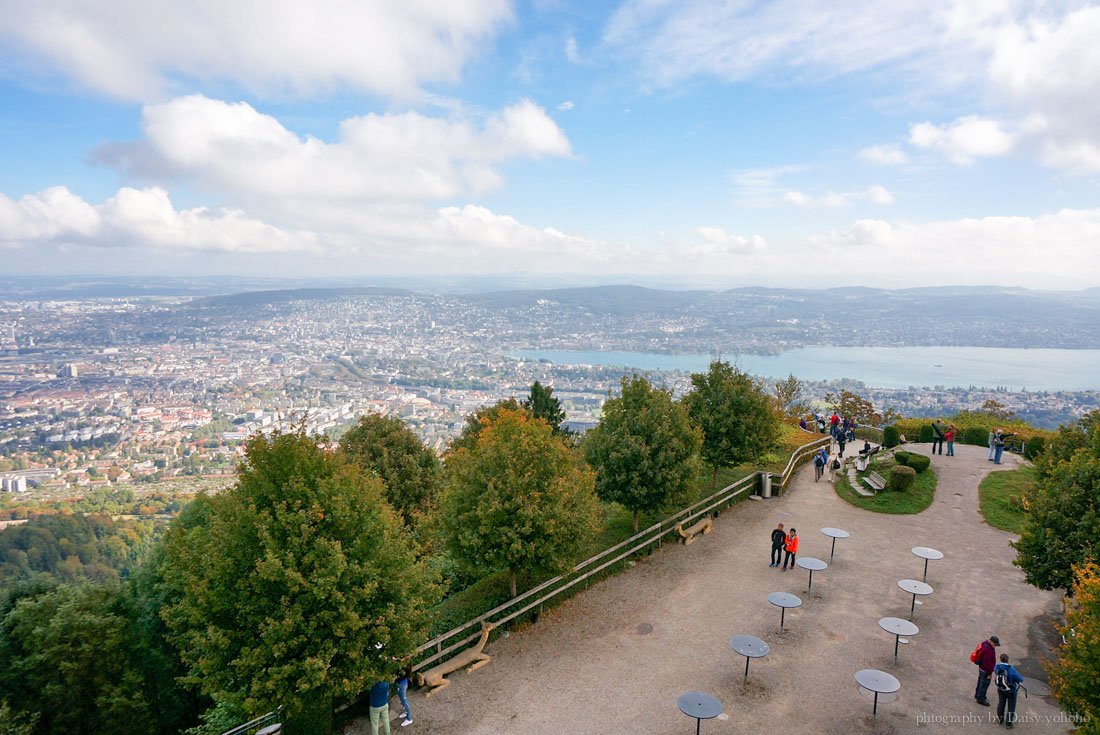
column 976, row 653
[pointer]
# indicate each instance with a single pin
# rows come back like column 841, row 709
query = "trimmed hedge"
column 973, row 428
column 918, row 462
column 1033, row 447
column 925, row 434
column 901, row 478
column 975, row 435
column 891, row 437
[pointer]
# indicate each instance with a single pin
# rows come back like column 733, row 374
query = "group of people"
column 784, row 547
column 997, row 444
column 1002, row 674
column 380, row 703
column 942, row 435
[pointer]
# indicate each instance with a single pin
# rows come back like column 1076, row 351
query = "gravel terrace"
column 615, row 658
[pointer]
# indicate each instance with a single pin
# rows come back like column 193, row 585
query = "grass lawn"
column 914, row 500
column 999, row 497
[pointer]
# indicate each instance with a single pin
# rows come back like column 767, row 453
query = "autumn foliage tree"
column 519, row 501
column 294, row 587
column 644, row 449
column 1074, row 674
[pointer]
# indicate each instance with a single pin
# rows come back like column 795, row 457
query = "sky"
column 809, row 143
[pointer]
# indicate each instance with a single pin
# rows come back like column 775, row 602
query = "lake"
column 886, row 367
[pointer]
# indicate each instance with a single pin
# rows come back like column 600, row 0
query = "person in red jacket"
column 949, row 437
column 791, row 547
column 987, row 661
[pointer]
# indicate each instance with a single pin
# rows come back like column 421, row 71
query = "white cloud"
column 756, row 187
column 481, row 229
column 566, row 106
column 879, row 195
column 875, row 194
column 571, row 51
column 884, row 155
column 143, row 218
column 716, row 241
column 965, row 139
column 140, row 50
column 250, row 157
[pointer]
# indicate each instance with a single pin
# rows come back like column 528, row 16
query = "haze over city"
column 694, row 143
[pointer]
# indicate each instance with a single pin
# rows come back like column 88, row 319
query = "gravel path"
column 615, row 658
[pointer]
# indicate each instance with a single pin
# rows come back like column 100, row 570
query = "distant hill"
column 620, row 300
column 282, row 296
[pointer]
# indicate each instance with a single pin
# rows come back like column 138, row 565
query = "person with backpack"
column 834, row 467
column 985, row 656
column 791, row 547
column 821, row 458
column 1007, row 680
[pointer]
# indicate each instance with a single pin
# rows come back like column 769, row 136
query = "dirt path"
column 614, row 659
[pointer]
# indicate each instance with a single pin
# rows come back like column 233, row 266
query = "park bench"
column 874, row 481
column 864, row 459
column 687, row 535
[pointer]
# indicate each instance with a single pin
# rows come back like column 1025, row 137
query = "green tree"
column 410, row 471
column 70, row 659
column 542, row 405
column 734, row 415
column 295, row 586
column 643, row 449
column 787, row 402
column 520, row 501
column 478, row 420
column 1063, row 526
column 1073, row 675
column 854, row 406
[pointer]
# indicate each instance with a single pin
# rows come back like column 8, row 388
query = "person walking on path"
column 1008, row 681
column 779, row 540
column 791, row 547
column 402, row 694
column 986, row 660
column 821, row 458
column 841, row 440
column 949, row 437
column 380, row 707
column 834, row 467
column 992, row 437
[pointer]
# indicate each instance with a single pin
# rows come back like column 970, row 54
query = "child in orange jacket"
column 791, row 547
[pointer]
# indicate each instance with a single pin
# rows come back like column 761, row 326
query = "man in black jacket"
column 779, row 537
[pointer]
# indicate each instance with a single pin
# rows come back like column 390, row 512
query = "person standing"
column 841, row 440
column 821, row 458
column 949, row 437
column 986, row 661
column 1008, row 682
column 992, row 437
column 791, row 547
column 937, row 437
column 380, row 707
column 834, row 467
column 402, row 694
column 999, row 446
column 779, row 540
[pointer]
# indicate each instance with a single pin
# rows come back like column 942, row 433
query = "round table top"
column 699, row 705
column 835, row 532
column 749, row 645
column 877, row 681
column 808, row 562
column 915, row 586
column 898, row 626
column 926, row 553
column 270, row 730
column 784, row 599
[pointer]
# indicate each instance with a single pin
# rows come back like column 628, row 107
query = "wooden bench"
column 687, row 535
column 874, row 481
column 864, row 459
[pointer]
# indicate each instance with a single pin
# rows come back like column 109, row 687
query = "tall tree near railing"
column 787, row 401
column 644, row 449
column 410, row 472
column 543, row 405
column 734, row 414
column 520, row 501
column 296, row 586
column 1073, row 673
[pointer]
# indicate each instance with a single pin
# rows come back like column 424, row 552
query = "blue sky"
column 720, row 144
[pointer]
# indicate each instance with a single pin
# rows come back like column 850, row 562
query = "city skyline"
column 711, row 144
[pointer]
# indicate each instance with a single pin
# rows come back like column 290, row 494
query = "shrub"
column 975, row 435
column 890, row 437
column 1033, row 447
column 909, row 459
column 901, row 479
column 926, row 433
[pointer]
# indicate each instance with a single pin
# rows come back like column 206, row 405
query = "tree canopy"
column 410, row 472
column 73, row 547
column 520, row 501
column 1063, row 526
column 295, row 586
column 734, row 414
column 854, row 406
column 479, row 419
column 543, row 405
column 643, row 449
column 1073, row 674
column 787, row 397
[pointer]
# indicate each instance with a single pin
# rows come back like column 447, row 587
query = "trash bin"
column 766, row 485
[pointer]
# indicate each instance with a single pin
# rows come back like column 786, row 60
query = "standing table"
column 899, row 627
column 783, row 600
column 750, row 647
column 699, row 705
column 927, row 554
column 878, row 682
column 914, row 587
column 834, row 534
column 813, row 565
